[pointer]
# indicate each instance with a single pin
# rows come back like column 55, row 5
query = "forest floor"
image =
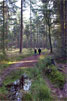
column 26, row 62
column 31, row 61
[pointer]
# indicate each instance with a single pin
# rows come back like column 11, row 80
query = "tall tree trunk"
column 46, row 36
column 49, row 25
column 65, row 26
column 37, row 37
column 21, row 33
column 30, row 28
column 7, row 35
column 63, row 20
column 27, row 41
column 3, row 36
column 50, row 41
column 62, row 26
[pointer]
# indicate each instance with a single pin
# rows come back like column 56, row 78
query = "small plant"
column 27, row 97
column 40, row 91
column 44, row 93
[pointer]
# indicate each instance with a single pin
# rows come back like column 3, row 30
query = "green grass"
column 39, row 90
column 56, row 77
column 3, row 66
column 14, row 54
column 38, row 87
column 12, row 57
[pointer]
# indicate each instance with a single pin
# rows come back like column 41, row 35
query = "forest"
column 33, row 50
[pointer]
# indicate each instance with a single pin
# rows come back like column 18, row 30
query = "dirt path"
column 63, row 67
column 57, row 94
column 26, row 62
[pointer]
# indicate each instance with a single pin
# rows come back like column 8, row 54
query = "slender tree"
column 3, row 36
column 21, row 33
column 30, row 27
column 47, row 12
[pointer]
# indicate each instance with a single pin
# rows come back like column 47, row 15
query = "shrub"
column 56, row 76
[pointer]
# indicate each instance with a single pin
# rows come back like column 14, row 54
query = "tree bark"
column 3, row 36
column 65, row 9
column 21, row 33
column 30, row 28
column 50, row 40
column 63, row 27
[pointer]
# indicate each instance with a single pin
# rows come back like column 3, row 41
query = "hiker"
column 35, row 51
column 39, row 51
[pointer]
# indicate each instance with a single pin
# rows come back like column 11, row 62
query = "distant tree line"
column 46, row 26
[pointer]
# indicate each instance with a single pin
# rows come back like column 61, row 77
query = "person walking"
column 35, row 51
column 39, row 51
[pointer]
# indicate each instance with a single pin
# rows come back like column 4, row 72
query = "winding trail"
column 25, row 63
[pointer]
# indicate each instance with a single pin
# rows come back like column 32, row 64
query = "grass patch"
column 12, row 57
column 56, row 77
column 39, row 90
column 27, row 97
column 14, row 54
column 52, row 72
column 38, row 87
column 3, row 66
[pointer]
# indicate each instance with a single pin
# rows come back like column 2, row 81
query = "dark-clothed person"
column 35, row 51
column 39, row 51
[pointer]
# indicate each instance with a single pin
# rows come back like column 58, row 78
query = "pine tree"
column 21, row 33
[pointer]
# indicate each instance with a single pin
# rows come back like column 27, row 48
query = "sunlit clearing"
column 41, row 57
column 45, row 50
column 15, row 52
column 29, row 61
column 11, row 62
column 21, row 68
column 6, row 62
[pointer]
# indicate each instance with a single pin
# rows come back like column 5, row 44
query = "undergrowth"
column 51, row 70
column 39, row 90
